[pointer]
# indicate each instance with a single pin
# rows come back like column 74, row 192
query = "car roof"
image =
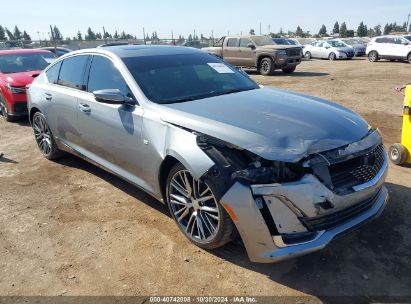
column 23, row 51
column 124, row 51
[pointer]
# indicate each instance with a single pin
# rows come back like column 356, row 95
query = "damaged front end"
column 287, row 209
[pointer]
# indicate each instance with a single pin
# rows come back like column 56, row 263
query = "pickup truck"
column 258, row 52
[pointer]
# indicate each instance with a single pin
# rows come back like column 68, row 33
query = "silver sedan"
column 285, row 172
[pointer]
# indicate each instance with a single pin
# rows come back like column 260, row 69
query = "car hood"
column 21, row 79
column 274, row 124
column 344, row 49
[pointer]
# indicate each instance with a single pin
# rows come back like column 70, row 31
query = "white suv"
column 389, row 47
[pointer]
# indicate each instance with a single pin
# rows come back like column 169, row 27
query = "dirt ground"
column 69, row 228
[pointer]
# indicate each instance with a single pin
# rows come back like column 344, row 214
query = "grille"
column 293, row 52
column 20, row 107
column 357, row 170
column 335, row 219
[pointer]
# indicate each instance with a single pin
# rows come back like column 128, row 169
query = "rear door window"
column 72, row 72
column 52, row 73
column 232, row 42
column 244, row 42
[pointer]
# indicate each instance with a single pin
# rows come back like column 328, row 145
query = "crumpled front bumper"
column 287, row 203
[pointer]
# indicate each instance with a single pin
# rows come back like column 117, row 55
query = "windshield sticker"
column 49, row 60
column 221, row 68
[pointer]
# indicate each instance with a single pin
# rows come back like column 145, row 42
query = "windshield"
column 17, row 63
column 177, row 78
column 262, row 40
column 408, row 38
column 337, row 43
column 283, row 41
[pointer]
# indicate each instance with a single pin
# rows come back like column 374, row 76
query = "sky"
column 183, row 17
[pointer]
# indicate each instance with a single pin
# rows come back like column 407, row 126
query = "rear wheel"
column 332, row 56
column 266, row 66
column 289, row 69
column 373, row 56
column 3, row 109
column 409, row 58
column 398, row 154
column 44, row 138
column 195, row 208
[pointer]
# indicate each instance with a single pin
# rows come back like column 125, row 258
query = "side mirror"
column 327, row 47
column 251, row 46
column 111, row 96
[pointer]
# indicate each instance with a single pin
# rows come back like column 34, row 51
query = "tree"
column 362, row 30
column 26, row 37
column 79, row 36
column 404, row 27
column 299, row 32
column 106, row 35
column 190, row 37
column 371, row 32
column 2, row 34
column 323, row 31
column 116, row 35
column 377, row 30
column 57, row 34
column 90, row 34
column 387, row 29
column 17, row 33
column 336, row 29
column 350, row 33
column 98, row 36
column 252, row 32
column 9, row 34
column 123, row 35
column 409, row 27
column 343, row 30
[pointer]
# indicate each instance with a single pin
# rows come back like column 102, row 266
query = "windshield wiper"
column 232, row 91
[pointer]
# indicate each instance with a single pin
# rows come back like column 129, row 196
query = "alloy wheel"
column 42, row 134
column 194, row 207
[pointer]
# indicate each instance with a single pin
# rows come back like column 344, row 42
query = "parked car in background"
column 59, row 51
column 258, row 52
column 194, row 44
column 329, row 49
column 389, row 47
column 358, row 44
column 18, row 68
column 289, row 41
column 291, row 172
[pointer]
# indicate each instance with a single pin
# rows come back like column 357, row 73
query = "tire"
column 308, row 56
column 332, row 56
column 3, row 109
column 398, row 154
column 373, row 56
column 409, row 58
column 44, row 137
column 266, row 66
column 289, row 69
column 183, row 196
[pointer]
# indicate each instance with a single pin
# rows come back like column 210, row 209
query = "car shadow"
column 371, row 262
column 294, row 74
column 134, row 191
column 4, row 159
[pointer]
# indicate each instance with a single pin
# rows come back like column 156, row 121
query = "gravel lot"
column 69, row 228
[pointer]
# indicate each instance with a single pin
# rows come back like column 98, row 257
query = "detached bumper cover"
column 288, row 203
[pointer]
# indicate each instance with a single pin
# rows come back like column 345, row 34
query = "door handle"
column 84, row 108
column 48, row 96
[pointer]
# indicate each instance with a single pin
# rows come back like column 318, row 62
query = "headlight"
column 15, row 90
column 281, row 52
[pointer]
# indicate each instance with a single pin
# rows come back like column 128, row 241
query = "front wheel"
column 44, row 137
column 308, row 55
column 409, row 58
column 289, row 70
column 266, row 66
column 373, row 56
column 332, row 56
column 398, row 154
column 195, row 208
column 3, row 109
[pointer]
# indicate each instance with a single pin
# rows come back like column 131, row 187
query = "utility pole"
column 269, row 29
column 144, row 35
column 52, row 36
column 408, row 22
column 260, row 28
column 194, row 37
column 104, row 35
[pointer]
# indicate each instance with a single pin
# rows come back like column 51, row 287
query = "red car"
column 18, row 68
